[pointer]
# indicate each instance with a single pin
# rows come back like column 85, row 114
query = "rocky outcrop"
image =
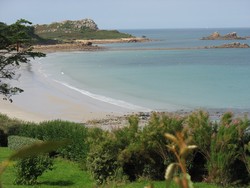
column 66, row 47
column 229, row 36
column 74, row 30
column 67, row 26
column 231, row 45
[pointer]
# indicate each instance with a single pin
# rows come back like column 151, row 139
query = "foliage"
column 139, row 153
column 132, row 150
column 15, row 48
column 181, row 150
column 64, row 174
column 17, row 142
column 153, row 133
column 102, row 162
column 7, row 127
column 30, row 166
column 199, row 126
column 60, row 130
column 245, row 152
column 152, row 144
column 29, row 169
column 226, row 148
column 67, row 174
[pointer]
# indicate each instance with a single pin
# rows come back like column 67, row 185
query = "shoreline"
column 76, row 47
column 85, row 45
column 45, row 100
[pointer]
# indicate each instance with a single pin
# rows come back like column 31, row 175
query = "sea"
column 168, row 73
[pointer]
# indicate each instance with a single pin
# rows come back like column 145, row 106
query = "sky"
column 132, row 14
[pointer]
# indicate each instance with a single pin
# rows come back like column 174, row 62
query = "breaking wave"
column 109, row 100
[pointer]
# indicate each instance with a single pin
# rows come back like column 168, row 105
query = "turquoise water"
column 159, row 79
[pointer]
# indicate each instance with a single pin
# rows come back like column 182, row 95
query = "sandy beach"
column 44, row 99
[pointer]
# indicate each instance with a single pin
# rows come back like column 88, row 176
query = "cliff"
column 67, row 26
column 229, row 36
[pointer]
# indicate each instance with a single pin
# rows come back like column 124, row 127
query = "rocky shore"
column 120, row 40
column 84, row 45
column 66, row 47
column 115, row 122
column 231, row 45
column 218, row 36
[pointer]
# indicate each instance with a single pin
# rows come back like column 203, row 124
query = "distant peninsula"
column 218, row 36
column 76, row 30
column 80, row 35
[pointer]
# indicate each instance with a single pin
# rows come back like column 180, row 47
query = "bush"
column 133, row 152
column 17, row 142
column 7, row 127
column 30, row 168
column 61, row 130
column 102, row 162
column 136, row 152
column 226, row 147
column 200, row 128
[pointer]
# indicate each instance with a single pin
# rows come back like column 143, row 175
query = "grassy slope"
column 68, row 174
column 84, row 34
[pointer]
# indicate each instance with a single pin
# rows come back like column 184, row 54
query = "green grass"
column 64, row 174
column 68, row 174
column 85, row 34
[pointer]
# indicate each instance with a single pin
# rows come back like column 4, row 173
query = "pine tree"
column 15, row 48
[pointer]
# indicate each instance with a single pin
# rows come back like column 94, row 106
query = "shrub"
column 153, row 133
column 102, row 162
column 145, row 154
column 7, row 127
column 134, row 151
column 226, row 146
column 200, row 128
column 17, row 142
column 61, row 130
column 30, row 168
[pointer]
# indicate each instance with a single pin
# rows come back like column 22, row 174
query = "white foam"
column 109, row 100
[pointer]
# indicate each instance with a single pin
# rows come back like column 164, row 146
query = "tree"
column 15, row 48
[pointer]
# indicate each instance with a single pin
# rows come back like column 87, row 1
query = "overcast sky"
column 132, row 14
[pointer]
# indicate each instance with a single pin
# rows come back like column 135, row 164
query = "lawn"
column 68, row 174
column 64, row 174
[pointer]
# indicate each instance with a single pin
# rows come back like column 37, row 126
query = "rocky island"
column 218, row 36
column 231, row 45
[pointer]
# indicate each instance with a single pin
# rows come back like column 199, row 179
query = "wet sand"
column 44, row 99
